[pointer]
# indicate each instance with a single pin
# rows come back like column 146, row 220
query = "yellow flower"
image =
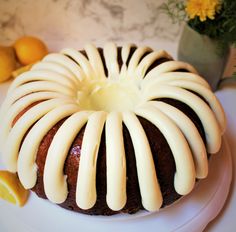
column 202, row 8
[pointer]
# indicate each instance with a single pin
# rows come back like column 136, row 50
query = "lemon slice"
column 11, row 189
column 21, row 70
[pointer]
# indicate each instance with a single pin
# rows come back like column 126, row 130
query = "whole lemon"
column 7, row 62
column 30, row 49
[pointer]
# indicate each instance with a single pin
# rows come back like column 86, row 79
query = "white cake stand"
column 191, row 213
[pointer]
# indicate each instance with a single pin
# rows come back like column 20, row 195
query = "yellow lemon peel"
column 30, row 49
column 11, row 189
column 7, row 62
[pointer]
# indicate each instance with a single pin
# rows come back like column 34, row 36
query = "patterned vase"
column 203, row 53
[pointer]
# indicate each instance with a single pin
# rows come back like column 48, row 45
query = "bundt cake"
column 105, row 131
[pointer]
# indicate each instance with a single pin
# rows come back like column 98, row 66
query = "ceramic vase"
column 203, row 53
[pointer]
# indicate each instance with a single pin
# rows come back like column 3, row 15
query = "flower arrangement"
column 214, row 18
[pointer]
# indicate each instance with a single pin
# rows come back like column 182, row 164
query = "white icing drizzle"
column 38, row 86
column 148, row 60
column 18, row 106
column 185, row 170
column 95, row 60
column 170, row 66
column 110, row 55
column 10, row 151
column 116, row 163
column 125, row 51
column 133, row 63
column 66, row 61
column 42, row 75
column 191, row 134
column 67, row 84
column 54, row 179
column 26, row 167
column 86, row 181
column 82, row 62
column 148, row 183
column 173, row 76
column 56, row 68
column 205, row 114
column 208, row 96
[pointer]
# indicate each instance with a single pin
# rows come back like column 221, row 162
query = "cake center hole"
column 108, row 95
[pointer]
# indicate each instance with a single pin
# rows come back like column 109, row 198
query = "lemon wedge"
column 21, row 70
column 11, row 189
